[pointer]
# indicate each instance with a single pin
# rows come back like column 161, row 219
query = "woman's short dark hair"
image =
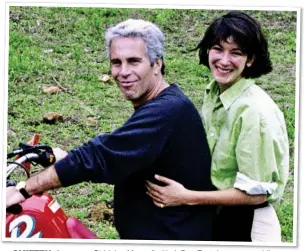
column 247, row 33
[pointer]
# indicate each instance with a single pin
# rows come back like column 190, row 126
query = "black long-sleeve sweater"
column 164, row 136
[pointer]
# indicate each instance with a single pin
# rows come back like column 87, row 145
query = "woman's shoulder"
column 256, row 105
column 256, row 100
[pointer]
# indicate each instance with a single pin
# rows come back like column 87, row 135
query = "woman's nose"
column 225, row 58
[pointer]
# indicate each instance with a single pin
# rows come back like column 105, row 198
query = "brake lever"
column 25, row 149
column 19, row 150
column 23, row 145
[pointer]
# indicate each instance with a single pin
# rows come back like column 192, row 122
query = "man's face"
column 131, row 68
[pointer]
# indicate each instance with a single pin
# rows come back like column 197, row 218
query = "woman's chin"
column 222, row 80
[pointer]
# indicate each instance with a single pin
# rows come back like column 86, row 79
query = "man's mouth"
column 127, row 84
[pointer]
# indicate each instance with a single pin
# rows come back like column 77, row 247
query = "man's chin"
column 129, row 97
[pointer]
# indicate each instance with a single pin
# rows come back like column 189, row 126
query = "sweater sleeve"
column 114, row 157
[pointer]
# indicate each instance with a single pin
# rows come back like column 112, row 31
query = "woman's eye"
column 236, row 53
column 216, row 48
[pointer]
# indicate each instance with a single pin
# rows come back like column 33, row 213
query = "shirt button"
column 212, row 134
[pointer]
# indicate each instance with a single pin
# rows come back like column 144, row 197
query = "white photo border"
column 160, row 245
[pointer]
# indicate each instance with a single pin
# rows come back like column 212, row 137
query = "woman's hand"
column 173, row 194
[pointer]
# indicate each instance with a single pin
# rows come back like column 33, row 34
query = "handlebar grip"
column 14, row 209
column 46, row 158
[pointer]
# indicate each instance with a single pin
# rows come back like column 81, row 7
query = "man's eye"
column 134, row 61
column 115, row 63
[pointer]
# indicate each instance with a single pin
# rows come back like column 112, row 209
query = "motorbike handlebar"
column 42, row 155
column 25, row 158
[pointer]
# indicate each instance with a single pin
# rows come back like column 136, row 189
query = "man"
column 164, row 135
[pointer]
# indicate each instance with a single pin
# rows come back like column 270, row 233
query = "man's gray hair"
column 149, row 32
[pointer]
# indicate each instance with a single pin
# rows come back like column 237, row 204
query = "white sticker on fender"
column 30, row 224
column 54, row 206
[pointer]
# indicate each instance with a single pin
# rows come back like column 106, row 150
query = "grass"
column 65, row 47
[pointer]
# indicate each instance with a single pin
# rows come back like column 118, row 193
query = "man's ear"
column 250, row 61
column 158, row 66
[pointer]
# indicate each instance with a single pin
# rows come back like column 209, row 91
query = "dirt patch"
column 101, row 212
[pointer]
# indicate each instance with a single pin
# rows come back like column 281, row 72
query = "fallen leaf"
column 87, row 50
column 48, row 51
column 52, row 117
column 104, row 78
column 92, row 120
column 50, row 89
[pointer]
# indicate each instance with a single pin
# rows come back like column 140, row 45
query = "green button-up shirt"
column 246, row 132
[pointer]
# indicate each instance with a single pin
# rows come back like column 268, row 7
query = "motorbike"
column 39, row 216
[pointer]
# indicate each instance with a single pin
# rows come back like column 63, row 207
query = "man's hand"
column 59, row 153
column 13, row 196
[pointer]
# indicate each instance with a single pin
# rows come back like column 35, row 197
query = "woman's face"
column 227, row 62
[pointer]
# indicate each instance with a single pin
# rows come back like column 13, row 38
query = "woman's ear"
column 250, row 61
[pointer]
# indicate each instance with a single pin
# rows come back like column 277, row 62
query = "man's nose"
column 125, row 70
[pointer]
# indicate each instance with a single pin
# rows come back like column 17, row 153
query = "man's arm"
column 110, row 158
column 127, row 151
column 44, row 181
column 41, row 182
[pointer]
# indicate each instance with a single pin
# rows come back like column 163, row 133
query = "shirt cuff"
column 253, row 187
column 64, row 171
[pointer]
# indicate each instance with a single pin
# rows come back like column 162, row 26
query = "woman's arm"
column 174, row 194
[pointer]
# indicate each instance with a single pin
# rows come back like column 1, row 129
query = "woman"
column 246, row 133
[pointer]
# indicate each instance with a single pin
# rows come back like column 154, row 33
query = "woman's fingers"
column 154, row 187
column 158, row 204
column 163, row 179
column 152, row 193
column 155, row 198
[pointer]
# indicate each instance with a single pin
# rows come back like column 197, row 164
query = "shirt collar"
column 229, row 96
column 212, row 87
